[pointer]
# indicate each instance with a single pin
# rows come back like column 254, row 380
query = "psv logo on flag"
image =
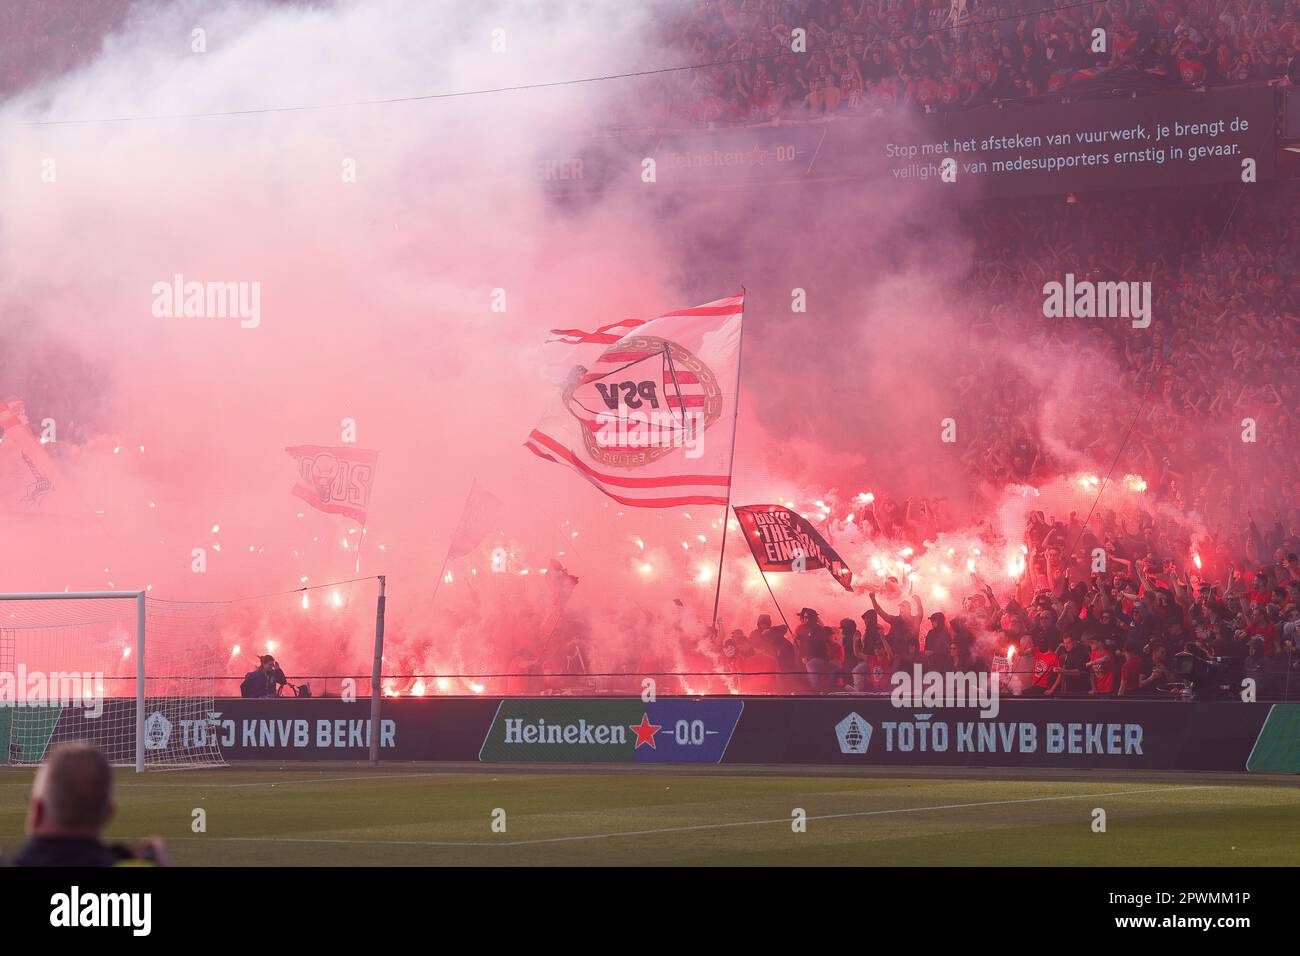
column 644, row 397
column 637, row 399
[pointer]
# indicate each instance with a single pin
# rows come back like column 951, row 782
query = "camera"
column 1203, row 677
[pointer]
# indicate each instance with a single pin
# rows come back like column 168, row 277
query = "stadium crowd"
column 862, row 52
column 1229, row 280
column 858, row 51
column 1144, row 628
column 1204, row 562
column 1223, row 262
column 41, row 40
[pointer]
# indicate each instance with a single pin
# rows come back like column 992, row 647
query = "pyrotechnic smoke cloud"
column 376, row 305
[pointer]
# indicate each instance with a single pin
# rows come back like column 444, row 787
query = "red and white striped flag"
column 645, row 413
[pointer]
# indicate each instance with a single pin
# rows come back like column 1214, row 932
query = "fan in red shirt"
column 1046, row 667
column 1104, row 666
column 1131, row 674
column 879, row 671
column 877, row 665
column 1224, row 59
column 927, row 92
column 1192, row 71
column 1125, row 41
column 762, row 672
column 1259, row 593
column 950, row 92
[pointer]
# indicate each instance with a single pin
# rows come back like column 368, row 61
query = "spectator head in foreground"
column 70, row 805
column 72, row 796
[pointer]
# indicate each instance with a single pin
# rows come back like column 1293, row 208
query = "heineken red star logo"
column 645, row 732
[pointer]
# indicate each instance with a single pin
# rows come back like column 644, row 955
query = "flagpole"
column 442, row 571
column 357, row 568
column 731, row 466
column 763, row 575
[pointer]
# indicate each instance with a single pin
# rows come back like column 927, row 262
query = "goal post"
column 139, row 681
column 66, row 673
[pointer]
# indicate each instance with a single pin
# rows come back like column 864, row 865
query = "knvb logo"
column 854, row 734
column 157, row 731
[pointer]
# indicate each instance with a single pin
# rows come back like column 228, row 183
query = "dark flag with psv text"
column 783, row 541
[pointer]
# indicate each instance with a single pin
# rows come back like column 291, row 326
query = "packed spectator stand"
column 1225, row 264
column 940, row 55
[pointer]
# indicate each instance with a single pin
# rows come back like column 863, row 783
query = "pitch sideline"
column 691, row 828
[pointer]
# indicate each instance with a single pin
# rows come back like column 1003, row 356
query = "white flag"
column 646, row 411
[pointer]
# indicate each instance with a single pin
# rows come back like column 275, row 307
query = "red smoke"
column 379, row 236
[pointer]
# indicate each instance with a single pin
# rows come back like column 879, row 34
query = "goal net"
column 134, row 675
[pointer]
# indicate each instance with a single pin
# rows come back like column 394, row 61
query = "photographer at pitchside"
column 266, row 681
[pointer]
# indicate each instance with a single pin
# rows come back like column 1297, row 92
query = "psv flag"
column 336, row 481
column 783, row 541
column 646, row 407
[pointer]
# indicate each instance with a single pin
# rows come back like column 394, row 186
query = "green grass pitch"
column 415, row 815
